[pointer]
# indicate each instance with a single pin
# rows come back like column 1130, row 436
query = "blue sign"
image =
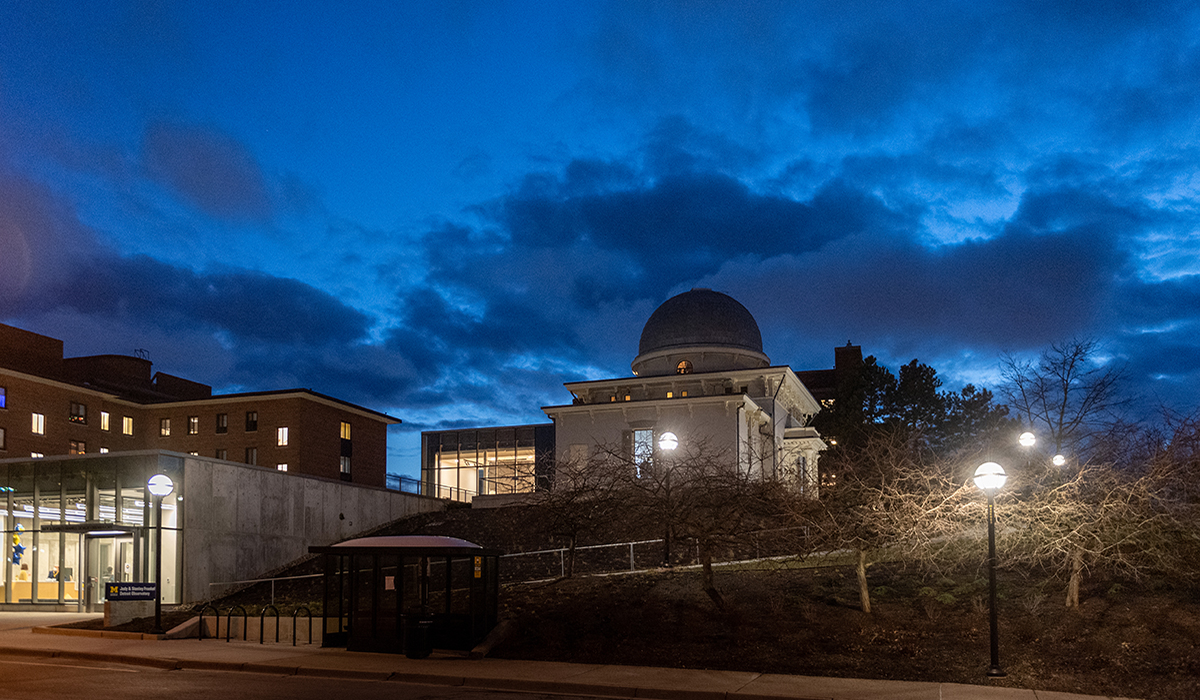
column 117, row 590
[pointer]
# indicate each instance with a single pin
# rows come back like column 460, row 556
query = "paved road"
column 55, row 679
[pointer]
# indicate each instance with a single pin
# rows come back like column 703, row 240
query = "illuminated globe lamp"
column 1027, row 439
column 989, row 478
column 668, row 441
column 1059, row 460
column 159, row 486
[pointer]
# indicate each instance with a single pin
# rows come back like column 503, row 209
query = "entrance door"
column 110, row 557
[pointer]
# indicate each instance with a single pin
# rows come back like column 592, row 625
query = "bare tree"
column 1070, row 395
column 585, row 495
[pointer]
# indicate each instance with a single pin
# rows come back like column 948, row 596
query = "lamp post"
column 667, row 442
column 989, row 477
column 159, row 486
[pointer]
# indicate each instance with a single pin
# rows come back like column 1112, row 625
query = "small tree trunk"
column 667, row 546
column 709, row 584
column 571, row 558
column 1073, row 583
column 864, row 593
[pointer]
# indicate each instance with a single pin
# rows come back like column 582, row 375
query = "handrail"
column 306, row 612
column 229, row 622
column 216, row 610
column 262, row 619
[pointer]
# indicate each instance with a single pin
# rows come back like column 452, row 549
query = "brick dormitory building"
column 51, row 405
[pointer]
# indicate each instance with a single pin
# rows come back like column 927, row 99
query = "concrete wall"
column 242, row 521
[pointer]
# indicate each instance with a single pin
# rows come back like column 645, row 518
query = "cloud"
column 208, row 169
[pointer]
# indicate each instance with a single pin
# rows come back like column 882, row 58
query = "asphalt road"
column 55, row 679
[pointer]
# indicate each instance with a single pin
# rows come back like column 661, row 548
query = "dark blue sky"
column 444, row 210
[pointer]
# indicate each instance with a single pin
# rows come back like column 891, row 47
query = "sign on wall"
column 117, row 590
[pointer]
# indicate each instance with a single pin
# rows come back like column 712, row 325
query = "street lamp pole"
column 989, row 477
column 667, row 442
column 160, row 486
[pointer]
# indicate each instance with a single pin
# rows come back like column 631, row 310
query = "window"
column 39, row 424
column 104, row 420
column 251, row 421
column 36, row 455
column 103, row 450
column 222, row 422
column 3, row 445
column 221, row 454
column 164, row 427
column 684, row 367
column 628, row 397
column 3, row 397
column 643, row 450
column 77, row 447
column 127, row 425
column 281, row 467
column 683, row 393
column 345, row 465
column 670, row 394
column 193, row 425
column 251, row 455
column 281, row 437
column 78, row 413
column 345, row 430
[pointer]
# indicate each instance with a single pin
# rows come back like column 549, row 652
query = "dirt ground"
column 1123, row 640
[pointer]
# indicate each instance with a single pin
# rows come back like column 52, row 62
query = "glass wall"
column 72, row 524
column 464, row 463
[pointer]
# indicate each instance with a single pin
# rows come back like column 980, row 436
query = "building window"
column 127, row 425
column 103, row 450
column 345, row 430
column 684, row 367
column 670, row 394
column 3, row 445
column 251, row 455
column 36, row 455
column 281, row 437
column 222, row 422
column 193, row 425
column 251, row 421
column 281, row 467
column 628, row 397
column 683, row 394
column 164, row 427
column 3, row 397
column 39, row 424
column 345, row 465
column 643, row 450
column 78, row 413
column 77, row 447
column 221, row 454
column 104, row 420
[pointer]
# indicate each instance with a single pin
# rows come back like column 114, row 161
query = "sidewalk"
column 27, row 635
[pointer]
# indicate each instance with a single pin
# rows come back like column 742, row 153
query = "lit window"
column 103, row 450
column 683, row 393
column 78, row 413
column 39, row 424
column 628, row 397
column 281, row 467
column 612, row 398
column 345, row 465
column 3, row 445
column 251, row 421
column 684, row 367
column 345, row 430
column 77, row 447
column 643, row 450
column 670, row 394
column 36, row 455
column 251, row 455
column 164, row 427
column 222, row 422
column 127, row 425
column 3, row 397
column 221, row 454
column 193, row 425
column 104, row 420
column 281, row 437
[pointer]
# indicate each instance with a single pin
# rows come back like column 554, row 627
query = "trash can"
column 418, row 636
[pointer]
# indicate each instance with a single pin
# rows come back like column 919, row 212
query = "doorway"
column 110, row 557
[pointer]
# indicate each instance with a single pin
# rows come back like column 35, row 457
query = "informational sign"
column 478, row 567
column 118, row 590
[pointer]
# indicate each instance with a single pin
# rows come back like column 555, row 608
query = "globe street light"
column 1059, row 460
column 989, row 478
column 667, row 442
column 159, row 486
column 1027, row 439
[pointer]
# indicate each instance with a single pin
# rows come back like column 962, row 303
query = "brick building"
column 51, row 405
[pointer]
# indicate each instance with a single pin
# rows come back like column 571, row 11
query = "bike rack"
column 262, row 618
column 306, row 612
column 216, row 612
column 229, row 622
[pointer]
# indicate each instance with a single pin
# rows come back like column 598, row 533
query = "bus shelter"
column 409, row 594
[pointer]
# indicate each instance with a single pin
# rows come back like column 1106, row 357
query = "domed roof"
column 698, row 318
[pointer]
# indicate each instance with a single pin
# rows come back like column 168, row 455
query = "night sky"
column 444, row 210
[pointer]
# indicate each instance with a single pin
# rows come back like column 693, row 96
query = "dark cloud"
column 208, row 169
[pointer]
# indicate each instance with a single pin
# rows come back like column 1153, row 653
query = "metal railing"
column 262, row 580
